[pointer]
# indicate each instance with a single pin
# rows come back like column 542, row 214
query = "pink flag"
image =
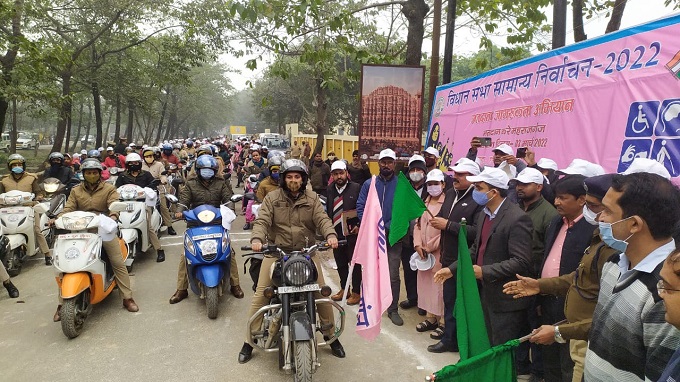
column 371, row 253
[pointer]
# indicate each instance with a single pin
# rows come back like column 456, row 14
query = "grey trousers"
column 394, row 261
column 4, row 276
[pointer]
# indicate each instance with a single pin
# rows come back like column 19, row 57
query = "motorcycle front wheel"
column 303, row 361
column 73, row 314
column 211, row 301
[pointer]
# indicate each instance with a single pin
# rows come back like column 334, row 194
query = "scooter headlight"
column 189, row 245
column 208, row 247
column 51, row 187
column 76, row 224
column 297, row 271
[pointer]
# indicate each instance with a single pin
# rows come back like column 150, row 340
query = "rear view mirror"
column 118, row 206
column 236, row 198
column 171, row 198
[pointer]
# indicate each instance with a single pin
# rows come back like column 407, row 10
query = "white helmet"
column 133, row 157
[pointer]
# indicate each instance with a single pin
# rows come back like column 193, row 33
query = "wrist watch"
column 558, row 336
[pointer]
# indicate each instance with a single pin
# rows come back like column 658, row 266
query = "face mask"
column 17, row 170
column 416, row 176
column 435, row 190
column 56, row 164
column 331, row 157
column 207, row 173
column 275, row 176
column 293, row 186
column 607, row 236
column 386, row 172
column 135, row 167
column 590, row 216
column 148, row 160
column 92, row 179
column 429, row 162
column 481, row 198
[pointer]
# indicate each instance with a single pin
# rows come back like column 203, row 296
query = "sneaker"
column 395, row 318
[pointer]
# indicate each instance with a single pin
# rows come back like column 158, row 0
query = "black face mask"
column 386, row 172
column 429, row 162
column 134, row 167
column 56, row 164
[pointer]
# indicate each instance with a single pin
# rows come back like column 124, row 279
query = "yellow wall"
column 342, row 145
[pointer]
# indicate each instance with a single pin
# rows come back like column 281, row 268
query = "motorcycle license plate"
column 298, row 289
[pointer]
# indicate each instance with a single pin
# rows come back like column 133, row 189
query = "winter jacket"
column 385, row 189
column 97, row 200
column 266, row 186
column 319, row 176
column 196, row 193
column 27, row 183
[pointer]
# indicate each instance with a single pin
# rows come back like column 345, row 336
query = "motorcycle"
column 54, row 201
column 113, row 172
column 17, row 220
column 84, row 275
column 133, row 220
column 207, row 249
column 289, row 322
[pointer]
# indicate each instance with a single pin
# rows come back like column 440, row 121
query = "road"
column 164, row 342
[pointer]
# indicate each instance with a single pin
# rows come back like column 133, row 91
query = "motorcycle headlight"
column 297, row 271
column 189, row 245
column 77, row 224
column 51, row 187
column 206, row 216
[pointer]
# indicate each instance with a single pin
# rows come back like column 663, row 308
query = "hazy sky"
column 637, row 12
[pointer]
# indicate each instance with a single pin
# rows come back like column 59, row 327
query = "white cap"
column 466, row 165
column 492, row 176
column 647, row 165
column 76, row 155
column 109, row 148
column 510, row 170
column 265, row 148
column 100, row 149
column 83, row 152
column 435, row 175
column 583, row 167
column 387, row 153
column 547, row 164
column 432, row 151
column 338, row 165
column 254, row 146
column 133, row 144
column 530, row 175
column 507, row 150
column 416, row 157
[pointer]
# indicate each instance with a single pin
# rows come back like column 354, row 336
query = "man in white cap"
column 498, row 258
column 385, row 185
column 431, row 156
column 341, row 202
column 582, row 167
column 458, row 204
column 502, row 153
column 113, row 159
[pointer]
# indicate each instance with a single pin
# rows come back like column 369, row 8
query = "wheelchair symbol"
column 641, row 121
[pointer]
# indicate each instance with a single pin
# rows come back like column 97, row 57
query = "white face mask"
column 416, row 176
column 435, row 190
column 590, row 216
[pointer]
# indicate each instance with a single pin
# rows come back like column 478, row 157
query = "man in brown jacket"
column 271, row 182
column 289, row 217
column 20, row 180
column 319, row 175
column 580, row 287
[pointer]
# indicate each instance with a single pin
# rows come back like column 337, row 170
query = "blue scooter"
column 208, row 252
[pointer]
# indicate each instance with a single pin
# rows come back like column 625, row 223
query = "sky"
column 636, row 12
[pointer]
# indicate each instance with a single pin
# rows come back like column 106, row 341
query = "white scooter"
column 133, row 225
column 114, row 171
column 17, row 219
column 54, row 203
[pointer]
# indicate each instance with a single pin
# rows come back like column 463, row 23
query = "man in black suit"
column 458, row 205
column 342, row 197
column 502, row 249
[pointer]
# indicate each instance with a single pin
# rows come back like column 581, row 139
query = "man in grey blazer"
column 502, row 249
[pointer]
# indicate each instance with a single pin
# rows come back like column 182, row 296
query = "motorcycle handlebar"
column 273, row 248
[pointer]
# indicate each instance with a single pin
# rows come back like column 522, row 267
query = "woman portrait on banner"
column 426, row 241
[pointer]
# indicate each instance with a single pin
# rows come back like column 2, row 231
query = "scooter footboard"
column 72, row 284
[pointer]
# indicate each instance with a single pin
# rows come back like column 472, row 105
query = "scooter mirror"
column 236, row 198
column 171, row 198
column 40, row 208
column 118, row 206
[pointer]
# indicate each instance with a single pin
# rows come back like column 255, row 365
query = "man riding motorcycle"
column 58, row 169
column 135, row 175
column 156, row 168
column 290, row 216
column 94, row 195
column 168, row 156
column 205, row 188
column 20, row 180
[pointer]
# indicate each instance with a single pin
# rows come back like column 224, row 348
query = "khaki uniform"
column 4, row 276
column 266, row 186
column 295, row 152
column 291, row 225
column 192, row 195
column 219, row 174
column 98, row 201
column 28, row 183
column 156, row 169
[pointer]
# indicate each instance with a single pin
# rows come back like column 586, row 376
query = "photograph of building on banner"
column 391, row 109
column 607, row 100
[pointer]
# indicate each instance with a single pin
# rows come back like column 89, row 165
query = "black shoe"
column 408, row 304
column 336, row 348
column 245, row 354
column 161, row 256
column 246, row 227
column 395, row 318
column 440, row 347
column 14, row 292
column 171, row 231
column 422, row 312
column 48, row 260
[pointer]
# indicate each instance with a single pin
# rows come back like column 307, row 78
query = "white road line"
column 405, row 345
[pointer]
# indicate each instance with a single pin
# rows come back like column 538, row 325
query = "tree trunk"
column 108, row 125
column 617, row 13
column 4, row 106
column 163, row 111
column 118, row 116
column 415, row 12
column 83, row 146
column 15, row 128
column 321, row 114
column 89, row 126
column 64, row 111
column 97, row 101
column 130, row 121
column 172, row 118
column 7, row 61
column 577, row 20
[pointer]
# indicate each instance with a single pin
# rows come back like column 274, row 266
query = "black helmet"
column 56, row 155
column 293, row 165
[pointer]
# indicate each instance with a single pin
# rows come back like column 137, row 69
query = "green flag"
column 406, row 206
column 471, row 328
column 496, row 364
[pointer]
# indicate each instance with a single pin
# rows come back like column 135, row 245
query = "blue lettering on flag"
column 381, row 235
column 362, row 316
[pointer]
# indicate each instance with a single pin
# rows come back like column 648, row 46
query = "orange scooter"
column 84, row 276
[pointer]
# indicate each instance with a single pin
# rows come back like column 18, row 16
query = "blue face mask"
column 17, row 170
column 207, row 173
column 275, row 176
column 481, row 198
column 607, row 236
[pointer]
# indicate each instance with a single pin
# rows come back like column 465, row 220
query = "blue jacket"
column 385, row 189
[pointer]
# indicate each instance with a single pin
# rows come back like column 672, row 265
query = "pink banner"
column 607, row 100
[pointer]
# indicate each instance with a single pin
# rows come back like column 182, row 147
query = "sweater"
column 629, row 339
